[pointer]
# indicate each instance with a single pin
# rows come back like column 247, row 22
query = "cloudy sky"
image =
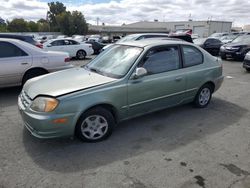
column 117, row 12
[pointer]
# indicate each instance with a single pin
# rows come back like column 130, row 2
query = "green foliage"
column 3, row 27
column 55, row 9
column 72, row 23
column 33, row 26
column 69, row 23
column 18, row 25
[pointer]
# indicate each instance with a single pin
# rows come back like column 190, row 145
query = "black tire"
column 248, row 69
column 104, row 117
column 81, row 54
column 32, row 74
column 202, row 103
column 224, row 57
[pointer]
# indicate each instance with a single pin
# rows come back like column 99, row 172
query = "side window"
column 10, row 50
column 57, row 43
column 72, row 42
column 161, row 59
column 192, row 56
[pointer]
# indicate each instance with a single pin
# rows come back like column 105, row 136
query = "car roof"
column 10, row 40
column 151, row 42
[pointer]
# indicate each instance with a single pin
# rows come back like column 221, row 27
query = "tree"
column 18, row 25
column 43, row 25
column 79, row 23
column 3, row 27
column 55, row 9
column 33, row 26
column 72, row 23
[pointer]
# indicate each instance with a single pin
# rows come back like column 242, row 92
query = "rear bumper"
column 218, row 82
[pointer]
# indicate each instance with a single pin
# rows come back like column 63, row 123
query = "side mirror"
column 49, row 45
column 139, row 72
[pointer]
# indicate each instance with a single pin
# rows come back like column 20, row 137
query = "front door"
column 164, row 84
column 13, row 63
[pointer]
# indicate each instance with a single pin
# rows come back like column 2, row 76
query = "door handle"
column 24, row 63
column 178, row 79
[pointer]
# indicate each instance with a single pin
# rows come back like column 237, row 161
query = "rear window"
column 191, row 56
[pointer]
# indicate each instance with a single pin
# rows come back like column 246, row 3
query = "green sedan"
column 125, row 81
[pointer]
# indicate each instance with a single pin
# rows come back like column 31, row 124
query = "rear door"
column 13, row 64
column 164, row 84
column 195, row 70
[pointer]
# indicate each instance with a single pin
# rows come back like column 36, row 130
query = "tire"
column 248, row 69
column 81, row 54
column 203, row 96
column 95, row 125
column 224, row 57
column 32, row 74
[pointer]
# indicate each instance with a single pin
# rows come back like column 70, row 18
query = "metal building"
column 202, row 28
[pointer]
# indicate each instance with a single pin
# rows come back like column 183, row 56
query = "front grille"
column 25, row 99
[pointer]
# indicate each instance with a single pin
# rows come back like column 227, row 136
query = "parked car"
column 183, row 36
column 25, row 38
column 218, row 35
column 74, row 48
column 134, row 37
column 20, row 61
column 246, row 62
column 228, row 38
column 97, row 46
column 61, row 36
column 211, row 45
column 237, row 49
column 128, row 80
column 95, row 38
column 79, row 38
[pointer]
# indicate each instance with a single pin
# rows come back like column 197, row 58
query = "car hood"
column 233, row 44
column 63, row 82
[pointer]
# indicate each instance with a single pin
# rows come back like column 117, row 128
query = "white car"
column 74, row 48
column 20, row 61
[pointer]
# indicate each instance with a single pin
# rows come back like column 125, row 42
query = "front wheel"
column 203, row 96
column 81, row 54
column 224, row 57
column 95, row 125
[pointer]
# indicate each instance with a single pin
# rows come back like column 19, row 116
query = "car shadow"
column 8, row 96
column 164, row 130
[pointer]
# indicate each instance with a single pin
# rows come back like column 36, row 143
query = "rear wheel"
column 95, row 125
column 203, row 96
column 81, row 54
column 33, row 73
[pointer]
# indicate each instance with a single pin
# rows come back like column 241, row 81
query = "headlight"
column 44, row 104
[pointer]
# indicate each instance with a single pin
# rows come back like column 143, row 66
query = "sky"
column 117, row 12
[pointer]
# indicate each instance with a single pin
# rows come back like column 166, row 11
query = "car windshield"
column 199, row 41
column 243, row 38
column 228, row 37
column 116, row 61
column 128, row 38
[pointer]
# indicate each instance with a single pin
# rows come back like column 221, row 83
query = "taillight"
column 39, row 45
column 67, row 59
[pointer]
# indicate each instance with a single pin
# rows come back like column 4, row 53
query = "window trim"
column 183, row 59
column 25, row 54
column 170, row 45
